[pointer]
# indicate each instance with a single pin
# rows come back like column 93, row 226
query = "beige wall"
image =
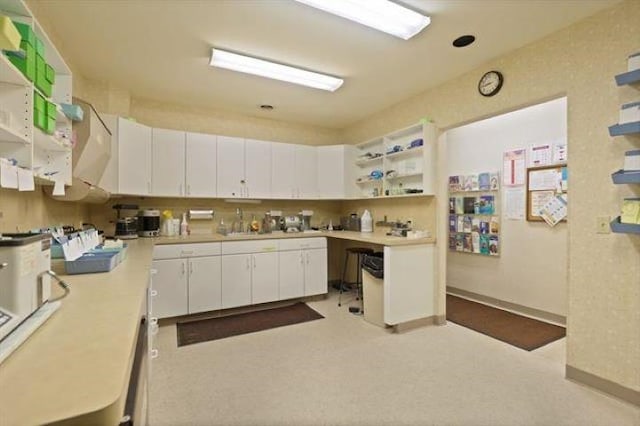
column 604, row 270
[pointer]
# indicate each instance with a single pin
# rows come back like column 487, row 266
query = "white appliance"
column 25, row 282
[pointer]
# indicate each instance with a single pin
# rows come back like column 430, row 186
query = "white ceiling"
column 159, row 49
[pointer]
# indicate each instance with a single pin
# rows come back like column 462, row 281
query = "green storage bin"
column 26, row 32
column 40, row 119
column 39, row 102
column 50, row 73
column 26, row 65
column 39, row 45
column 52, row 110
column 50, row 125
column 41, row 77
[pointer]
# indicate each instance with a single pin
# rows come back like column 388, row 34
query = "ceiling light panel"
column 249, row 65
column 382, row 15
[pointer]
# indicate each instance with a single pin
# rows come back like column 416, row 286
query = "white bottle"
column 184, row 226
column 366, row 222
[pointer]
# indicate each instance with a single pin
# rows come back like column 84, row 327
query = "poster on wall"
column 554, row 210
column 560, row 153
column 540, row 155
column 514, row 203
column 514, row 166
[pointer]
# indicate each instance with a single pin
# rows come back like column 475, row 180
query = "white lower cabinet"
column 236, row 280
column 264, row 280
column 315, row 271
column 291, row 274
column 204, row 277
column 170, row 284
column 205, row 284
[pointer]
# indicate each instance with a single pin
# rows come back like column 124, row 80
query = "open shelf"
column 624, row 129
column 369, row 181
column 630, row 77
column 624, row 228
column 369, row 161
column 406, row 152
column 9, row 135
column 47, row 142
column 622, row 177
column 406, row 175
column 10, row 74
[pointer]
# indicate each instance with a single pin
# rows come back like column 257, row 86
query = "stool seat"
column 360, row 250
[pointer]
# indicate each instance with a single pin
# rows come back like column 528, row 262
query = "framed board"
column 543, row 184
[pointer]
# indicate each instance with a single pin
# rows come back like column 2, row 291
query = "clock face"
column 490, row 83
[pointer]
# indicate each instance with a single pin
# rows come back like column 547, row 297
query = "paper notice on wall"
column 539, row 199
column 544, row 180
column 8, row 174
column 554, row 210
column 560, row 153
column 540, row 155
column 514, row 203
column 58, row 188
column 25, row 180
column 514, row 167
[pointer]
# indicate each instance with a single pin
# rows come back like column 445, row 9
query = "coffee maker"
column 149, row 223
column 126, row 226
column 305, row 220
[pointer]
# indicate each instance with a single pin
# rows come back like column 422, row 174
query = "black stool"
column 359, row 252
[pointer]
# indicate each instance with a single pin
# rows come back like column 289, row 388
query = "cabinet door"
column 257, row 165
column 291, row 274
column 134, row 158
column 306, row 159
column 170, row 282
column 200, row 169
column 167, row 171
column 315, row 272
column 330, row 172
column 109, row 179
column 264, row 283
column 283, row 171
column 230, row 167
column 205, row 284
column 236, row 280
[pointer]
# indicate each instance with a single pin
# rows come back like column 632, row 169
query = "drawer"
column 302, row 243
column 256, row 246
column 174, row 251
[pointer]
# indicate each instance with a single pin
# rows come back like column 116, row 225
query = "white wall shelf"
column 9, row 135
column 47, row 142
column 405, row 153
column 10, row 74
column 405, row 176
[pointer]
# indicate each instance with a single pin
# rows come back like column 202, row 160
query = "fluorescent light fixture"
column 382, row 15
column 249, row 65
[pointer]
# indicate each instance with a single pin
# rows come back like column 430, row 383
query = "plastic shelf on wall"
column 630, row 77
column 624, row 129
column 622, row 177
column 624, row 228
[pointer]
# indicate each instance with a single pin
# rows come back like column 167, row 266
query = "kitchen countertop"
column 366, row 237
column 77, row 365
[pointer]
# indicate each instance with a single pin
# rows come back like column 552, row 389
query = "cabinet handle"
column 183, row 271
column 301, row 258
column 154, row 293
column 307, row 258
column 254, row 262
column 188, row 189
column 247, row 189
column 190, row 268
column 148, row 187
column 181, row 189
column 248, row 264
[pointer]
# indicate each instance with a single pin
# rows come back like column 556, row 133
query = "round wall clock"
column 490, row 83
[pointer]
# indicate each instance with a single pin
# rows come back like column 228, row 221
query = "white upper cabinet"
column 306, row 171
column 332, row 171
column 167, row 177
column 257, row 169
column 283, row 184
column 134, row 158
column 109, row 179
column 201, row 165
column 230, row 167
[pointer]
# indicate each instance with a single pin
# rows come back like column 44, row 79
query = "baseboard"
column 513, row 307
column 417, row 323
column 603, row 385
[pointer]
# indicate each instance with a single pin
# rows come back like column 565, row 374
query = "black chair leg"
column 344, row 273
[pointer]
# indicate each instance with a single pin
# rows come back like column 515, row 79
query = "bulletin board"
column 544, row 183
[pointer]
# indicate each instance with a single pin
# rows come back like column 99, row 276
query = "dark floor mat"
column 523, row 332
column 218, row 328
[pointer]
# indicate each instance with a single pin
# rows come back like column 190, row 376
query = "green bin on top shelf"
column 50, row 74
column 39, row 45
column 41, row 76
column 39, row 111
column 26, row 63
column 26, row 32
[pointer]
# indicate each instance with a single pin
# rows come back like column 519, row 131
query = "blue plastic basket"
column 91, row 263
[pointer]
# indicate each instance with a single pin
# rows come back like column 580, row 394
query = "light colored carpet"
column 343, row 371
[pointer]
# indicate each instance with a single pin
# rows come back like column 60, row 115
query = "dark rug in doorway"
column 525, row 333
column 218, row 328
